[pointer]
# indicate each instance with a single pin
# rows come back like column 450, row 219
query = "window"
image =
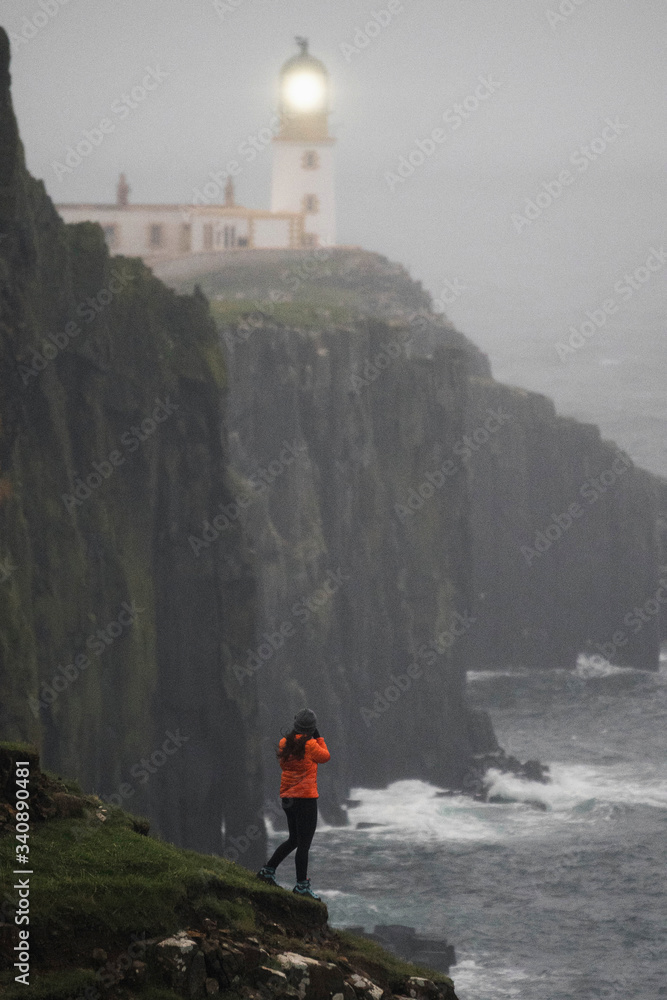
column 185, row 238
column 155, row 235
column 310, row 203
column 111, row 236
column 230, row 236
column 310, row 160
column 208, row 236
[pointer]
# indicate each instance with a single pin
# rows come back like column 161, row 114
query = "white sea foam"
column 484, row 675
column 597, row 666
column 473, row 979
column 578, row 787
column 412, row 811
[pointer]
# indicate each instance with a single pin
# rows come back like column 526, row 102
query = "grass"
column 101, row 881
column 299, row 313
column 52, row 986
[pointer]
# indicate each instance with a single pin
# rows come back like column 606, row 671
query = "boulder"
column 232, row 961
column 137, row 972
column 253, row 954
column 421, row 989
column 275, row 981
column 68, row 806
column 364, row 988
column 173, row 957
column 326, row 980
column 196, row 984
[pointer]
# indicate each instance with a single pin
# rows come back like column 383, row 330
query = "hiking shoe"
column 267, row 875
column 303, row 889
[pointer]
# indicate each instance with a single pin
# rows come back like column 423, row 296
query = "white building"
column 302, row 189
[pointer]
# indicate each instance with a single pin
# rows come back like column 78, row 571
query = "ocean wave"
column 476, row 980
column 578, row 789
column 485, row 675
column 589, row 667
column 414, row 813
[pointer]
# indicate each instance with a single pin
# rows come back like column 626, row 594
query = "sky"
column 574, row 86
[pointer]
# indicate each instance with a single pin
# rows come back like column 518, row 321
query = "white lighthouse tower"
column 303, row 164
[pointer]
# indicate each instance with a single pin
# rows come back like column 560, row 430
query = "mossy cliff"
column 116, row 912
column 116, row 646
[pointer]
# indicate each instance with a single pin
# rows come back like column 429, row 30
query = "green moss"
column 18, row 747
column 70, row 784
column 215, row 364
column 48, row 986
column 228, row 913
column 299, row 313
column 161, row 993
column 104, row 881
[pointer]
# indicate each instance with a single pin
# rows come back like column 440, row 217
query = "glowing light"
column 304, row 90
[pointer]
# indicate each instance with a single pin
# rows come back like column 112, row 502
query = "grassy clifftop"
column 115, row 912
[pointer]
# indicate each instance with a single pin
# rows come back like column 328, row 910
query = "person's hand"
column 316, row 734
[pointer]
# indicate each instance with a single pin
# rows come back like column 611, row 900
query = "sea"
column 559, row 895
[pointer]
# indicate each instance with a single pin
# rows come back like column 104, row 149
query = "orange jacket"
column 299, row 777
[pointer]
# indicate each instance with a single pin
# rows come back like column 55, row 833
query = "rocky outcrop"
column 196, row 964
column 163, row 921
column 116, row 645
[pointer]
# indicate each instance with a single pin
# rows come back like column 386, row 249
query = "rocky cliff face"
column 116, row 646
column 361, row 606
column 413, row 523
column 564, row 533
column 662, row 551
column 410, row 516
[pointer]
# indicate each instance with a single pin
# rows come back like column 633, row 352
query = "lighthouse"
column 303, row 156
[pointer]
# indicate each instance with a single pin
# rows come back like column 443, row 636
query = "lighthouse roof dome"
column 304, row 60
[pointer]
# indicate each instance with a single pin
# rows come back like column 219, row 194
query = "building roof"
column 234, row 210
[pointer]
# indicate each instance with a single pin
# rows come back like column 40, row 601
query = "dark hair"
column 294, row 747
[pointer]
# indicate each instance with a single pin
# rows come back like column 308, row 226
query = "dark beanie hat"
column 305, row 720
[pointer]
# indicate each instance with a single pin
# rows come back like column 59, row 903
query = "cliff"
column 360, row 607
column 115, row 912
column 325, row 285
column 565, row 540
column 566, row 536
column 411, row 518
column 116, row 646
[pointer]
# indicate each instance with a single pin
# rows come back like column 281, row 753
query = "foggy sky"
column 556, row 87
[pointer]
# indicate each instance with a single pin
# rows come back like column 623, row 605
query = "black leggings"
column 301, row 822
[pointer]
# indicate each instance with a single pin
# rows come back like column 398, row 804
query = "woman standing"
column 299, row 754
